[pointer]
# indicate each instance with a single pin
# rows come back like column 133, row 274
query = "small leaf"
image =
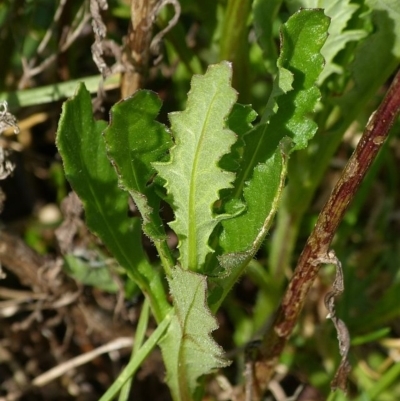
column 193, row 177
column 92, row 177
column 303, row 36
column 340, row 33
column 135, row 140
column 98, row 276
column 188, row 349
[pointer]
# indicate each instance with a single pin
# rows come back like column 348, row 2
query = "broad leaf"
column 188, row 348
column 91, row 175
column 193, row 177
column 134, row 140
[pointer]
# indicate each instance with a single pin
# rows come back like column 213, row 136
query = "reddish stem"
column 318, row 243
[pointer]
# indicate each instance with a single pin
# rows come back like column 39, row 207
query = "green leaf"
column 239, row 233
column 377, row 56
column 188, row 348
column 340, row 34
column 294, row 97
column 303, row 36
column 92, row 177
column 269, row 178
column 261, row 178
column 135, row 140
column 193, row 177
column 239, row 121
column 96, row 276
column 340, row 12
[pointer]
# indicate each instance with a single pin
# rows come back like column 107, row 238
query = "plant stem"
column 318, row 243
column 234, row 45
column 137, row 360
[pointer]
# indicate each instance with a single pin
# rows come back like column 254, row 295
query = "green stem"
column 234, row 45
column 139, row 338
column 137, row 360
column 55, row 92
column 165, row 256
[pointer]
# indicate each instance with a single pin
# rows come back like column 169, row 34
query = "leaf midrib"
column 192, row 221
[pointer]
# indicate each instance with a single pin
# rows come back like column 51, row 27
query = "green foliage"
column 134, row 140
column 193, row 178
column 226, row 174
column 262, row 161
column 82, row 147
column 223, row 173
column 84, row 272
column 188, row 349
column 340, row 34
column 263, row 166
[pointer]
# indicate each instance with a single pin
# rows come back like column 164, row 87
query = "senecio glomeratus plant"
column 223, row 176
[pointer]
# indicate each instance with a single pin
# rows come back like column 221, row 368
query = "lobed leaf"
column 294, row 97
column 192, row 176
column 92, row 177
column 188, row 349
column 134, row 140
column 340, row 12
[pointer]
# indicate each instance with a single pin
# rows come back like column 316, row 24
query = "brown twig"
column 136, row 53
column 61, row 369
column 316, row 250
column 140, row 44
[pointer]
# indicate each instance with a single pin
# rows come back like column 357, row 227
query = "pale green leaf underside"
column 193, row 177
column 188, row 349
